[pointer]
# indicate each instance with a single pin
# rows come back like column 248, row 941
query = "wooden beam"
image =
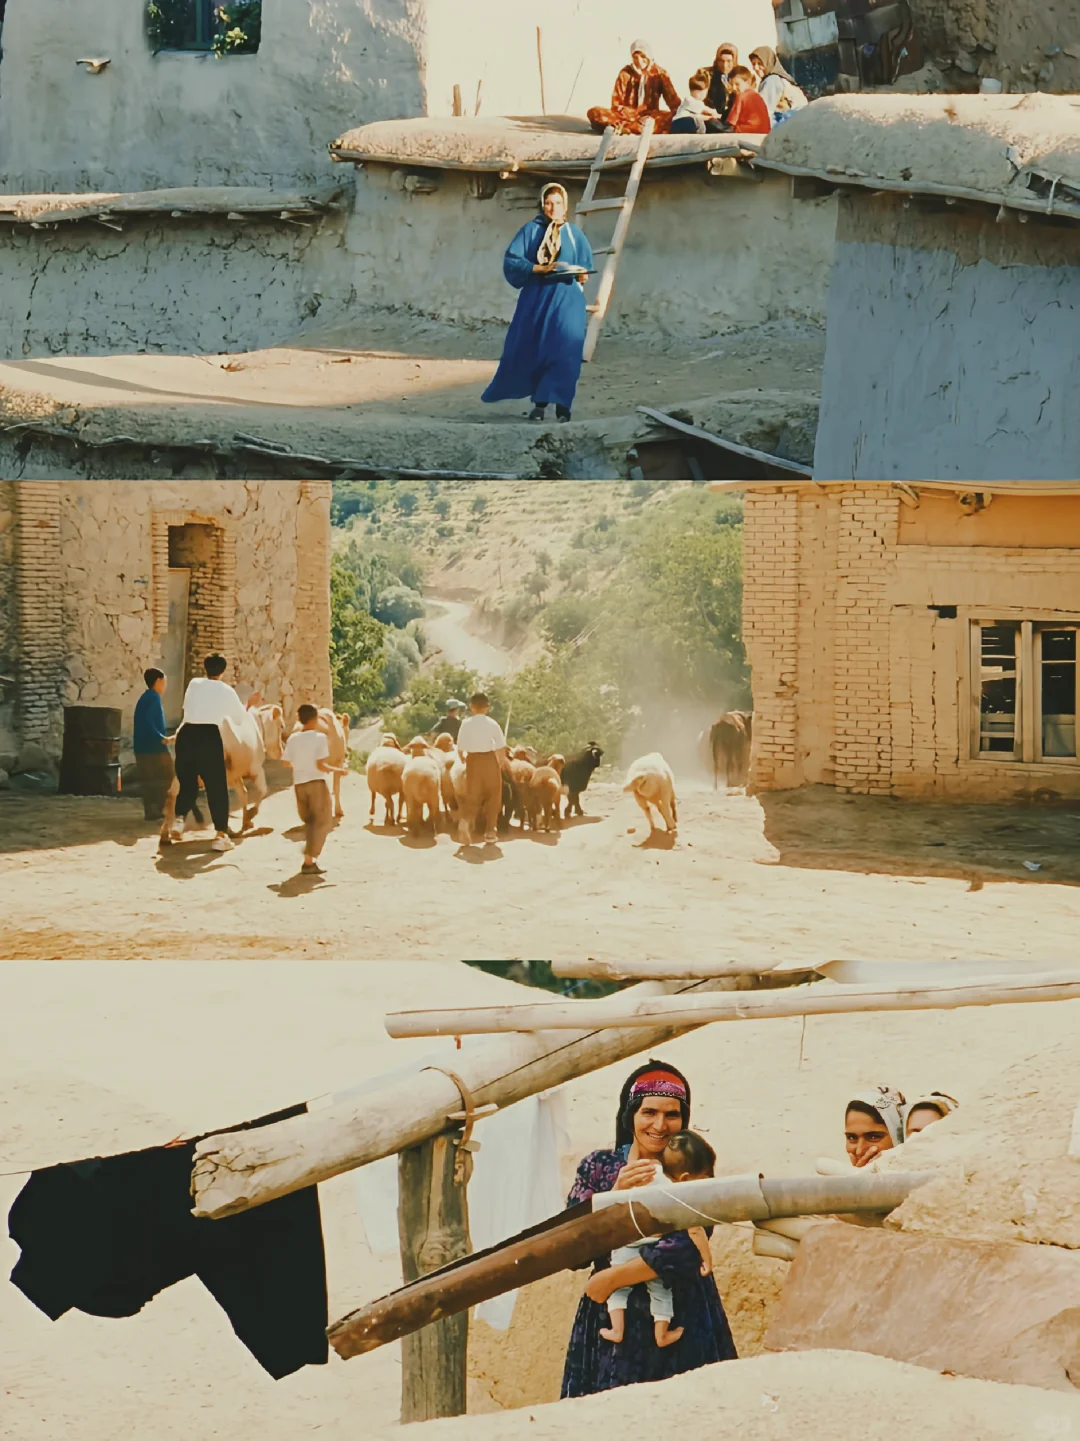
column 605, row 970
column 433, row 1228
column 236, row 1170
column 819, row 1000
column 577, row 1236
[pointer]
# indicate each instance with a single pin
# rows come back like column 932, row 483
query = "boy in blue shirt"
column 150, row 733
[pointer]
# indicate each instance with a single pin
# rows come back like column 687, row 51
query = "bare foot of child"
column 617, row 1329
column 665, row 1336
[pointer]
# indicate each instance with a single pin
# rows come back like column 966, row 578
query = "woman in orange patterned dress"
column 639, row 89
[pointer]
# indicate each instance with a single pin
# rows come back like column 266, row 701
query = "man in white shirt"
column 482, row 743
column 200, row 754
column 308, row 752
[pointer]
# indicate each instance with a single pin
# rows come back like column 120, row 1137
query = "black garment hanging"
column 105, row 1235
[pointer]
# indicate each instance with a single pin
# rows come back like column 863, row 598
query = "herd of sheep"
column 423, row 783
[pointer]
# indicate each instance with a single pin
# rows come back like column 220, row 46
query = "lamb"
column 421, row 784
column 577, row 773
column 522, row 773
column 546, row 793
column 384, row 769
column 445, row 754
column 651, row 782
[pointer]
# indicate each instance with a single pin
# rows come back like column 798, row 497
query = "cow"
column 729, row 747
column 384, row 767
column 576, row 775
column 247, row 747
column 336, row 730
column 650, row 781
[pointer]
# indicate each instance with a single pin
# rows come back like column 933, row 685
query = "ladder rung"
column 592, row 309
column 603, row 250
column 616, row 204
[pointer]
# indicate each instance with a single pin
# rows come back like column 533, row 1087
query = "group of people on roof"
column 724, row 97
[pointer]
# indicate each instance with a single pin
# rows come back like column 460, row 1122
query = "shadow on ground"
column 819, row 829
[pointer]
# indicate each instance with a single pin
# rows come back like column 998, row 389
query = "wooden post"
column 433, row 1227
column 457, row 101
column 540, row 63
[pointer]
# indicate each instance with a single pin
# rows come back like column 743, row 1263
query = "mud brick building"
column 915, row 640
column 99, row 580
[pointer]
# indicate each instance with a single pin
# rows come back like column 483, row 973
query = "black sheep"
column 577, row 773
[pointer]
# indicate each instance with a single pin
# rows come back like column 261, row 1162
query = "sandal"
column 538, row 412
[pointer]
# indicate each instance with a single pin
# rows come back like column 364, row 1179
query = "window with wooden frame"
column 1025, row 691
column 205, row 26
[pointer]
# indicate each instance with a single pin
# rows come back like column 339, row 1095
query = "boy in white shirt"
column 482, row 743
column 307, row 751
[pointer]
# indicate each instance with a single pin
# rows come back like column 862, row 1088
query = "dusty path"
column 447, row 627
column 809, row 875
column 389, row 390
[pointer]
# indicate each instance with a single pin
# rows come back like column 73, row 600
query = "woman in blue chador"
column 653, row 1106
column 541, row 359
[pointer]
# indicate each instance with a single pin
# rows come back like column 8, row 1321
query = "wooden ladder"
column 624, row 204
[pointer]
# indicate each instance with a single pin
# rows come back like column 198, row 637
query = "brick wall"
column 39, row 608
column 200, row 549
column 858, row 682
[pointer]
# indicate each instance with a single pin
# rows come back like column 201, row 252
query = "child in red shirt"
column 749, row 115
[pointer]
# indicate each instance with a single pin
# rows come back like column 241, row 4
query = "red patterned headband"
column 659, row 1083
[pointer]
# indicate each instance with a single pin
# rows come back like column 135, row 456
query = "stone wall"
column 93, row 622
column 950, row 340
column 859, row 681
column 200, row 549
column 970, row 39
column 192, row 119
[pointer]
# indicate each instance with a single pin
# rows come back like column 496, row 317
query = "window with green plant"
column 232, row 28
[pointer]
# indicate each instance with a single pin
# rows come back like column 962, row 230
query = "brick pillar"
column 311, row 658
column 866, row 558
column 39, row 611
column 770, row 632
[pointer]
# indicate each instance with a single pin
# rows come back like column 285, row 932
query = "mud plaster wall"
column 857, row 682
column 112, row 540
column 703, row 253
column 523, row 1366
column 188, row 119
column 202, row 286
column 952, row 347
column 1007, row 42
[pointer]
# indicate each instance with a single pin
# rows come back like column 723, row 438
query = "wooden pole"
column 236, row 1170
column 540, row 63
column 592, row 969
column 433, row 1227
column 577, row 1236
column 826, row 999
column 457, row 101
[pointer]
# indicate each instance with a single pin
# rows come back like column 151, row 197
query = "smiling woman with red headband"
column 654, row 1105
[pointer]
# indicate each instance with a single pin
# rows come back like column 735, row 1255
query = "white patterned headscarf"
column 890, row 1106
column 641, row 47
column 551, row 244
column 936, row 1100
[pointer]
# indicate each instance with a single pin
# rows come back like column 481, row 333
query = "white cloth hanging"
column 515, row 1184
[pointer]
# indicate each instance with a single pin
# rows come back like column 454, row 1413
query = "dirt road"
column 808, row 874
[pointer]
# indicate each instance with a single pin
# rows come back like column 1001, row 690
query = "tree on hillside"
column 406, row 502
column 442, row 507
column 397, row 605
column 357, row 644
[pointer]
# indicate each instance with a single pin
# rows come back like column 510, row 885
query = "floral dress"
column 593, row 1364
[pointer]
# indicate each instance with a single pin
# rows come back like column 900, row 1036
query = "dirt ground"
column 382, row 389
column 803, row 875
